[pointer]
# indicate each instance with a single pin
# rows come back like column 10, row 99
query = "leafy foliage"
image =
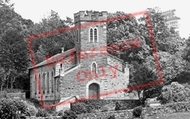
column 13, row 51
column 140, row 75
column 175, row 93
column 13, row 54
column 111, row 117
column 69, row 114
column 42, row 113
column 80, row 108
column 13, row 108
column 137, row 111
column 51, row 44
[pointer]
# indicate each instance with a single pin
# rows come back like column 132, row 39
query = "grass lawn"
column 183, row 115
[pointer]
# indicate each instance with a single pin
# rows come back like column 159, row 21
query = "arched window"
column 47, row 82
column 35, row 84
column 57, row 85
column 40, row 83
column 95, row 35
column 43, row 82
column 91, row 35
column 52, row 80
column 94, row 67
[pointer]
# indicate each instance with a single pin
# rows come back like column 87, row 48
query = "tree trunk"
column 12, row 81
column 1, row 87
column 7, row 84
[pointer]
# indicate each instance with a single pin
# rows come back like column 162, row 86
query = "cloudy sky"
column 37, row 9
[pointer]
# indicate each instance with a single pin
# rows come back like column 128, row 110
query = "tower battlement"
column 90, row 16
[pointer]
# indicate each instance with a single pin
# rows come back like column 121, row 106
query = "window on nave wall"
column 36, row 84
column 40, row 81
column 52, row 81
column 43, row 77
column 91, row 35
column 48, row 82
column 95, row 35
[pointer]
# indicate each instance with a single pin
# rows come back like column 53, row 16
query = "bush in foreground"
column 80, row 108
column 111, row 117
column 14, row 108
column 69, row 114
column 137, row 111
column 175, row 93
column 42, row 113
column 8, row 109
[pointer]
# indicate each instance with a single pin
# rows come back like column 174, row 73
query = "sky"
column 38, row 9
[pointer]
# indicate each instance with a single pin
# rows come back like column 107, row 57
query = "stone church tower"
column 91, row 34
column 91, row 43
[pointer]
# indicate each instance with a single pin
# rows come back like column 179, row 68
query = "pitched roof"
column 54, row 58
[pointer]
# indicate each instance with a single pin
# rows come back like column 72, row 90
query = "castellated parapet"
column 90, row 16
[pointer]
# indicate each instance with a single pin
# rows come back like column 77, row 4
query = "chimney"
column 62, row 50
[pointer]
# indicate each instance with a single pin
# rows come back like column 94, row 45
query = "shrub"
column 21, row 106
column 117, row 106
column 166, row 96
column 60, row 113
column 3, row 94
column 31, row 110
column 175, row 93
column 95, row 104
column 137, row 111
column 111, row 117
column 179, row 106
column 104, row 109
column 80, row 108
column 42, row 113
column 25, row 107
column 8, row 109
column 15, row 107
column 69, row 114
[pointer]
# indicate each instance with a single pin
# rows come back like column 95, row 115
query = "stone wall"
column 121, row 114
column 168, row 108
column 109, row 105
column 147, row 111
column 16, row 95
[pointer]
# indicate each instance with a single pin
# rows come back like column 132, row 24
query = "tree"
column 3, row 78
column 51, row 44
column 13, row 54
column 140, row 75
column 171, row 65
column 169, row 45
column 123, row 31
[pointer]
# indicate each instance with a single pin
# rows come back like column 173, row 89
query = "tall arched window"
column 43, row 82
column 52, row 80
column 47, row 82
column 40, row 83
column 35, row 84
column 57, row 85
column 91, row 35
column 95, row 35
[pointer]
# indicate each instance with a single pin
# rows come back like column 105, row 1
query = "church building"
column 87, row 70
